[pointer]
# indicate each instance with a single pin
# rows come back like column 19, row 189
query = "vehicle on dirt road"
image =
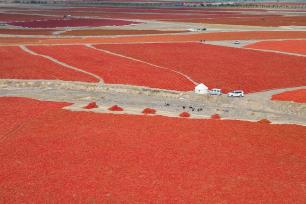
column 216, row 92
column 236, row 93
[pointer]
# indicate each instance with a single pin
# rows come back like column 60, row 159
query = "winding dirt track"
column 24, row 48
column 138, row 60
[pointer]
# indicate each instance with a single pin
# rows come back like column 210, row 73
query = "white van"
column 236, row 93
column 215, row 92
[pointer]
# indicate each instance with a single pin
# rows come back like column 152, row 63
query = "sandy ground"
column 243, row 43
column 252, row 107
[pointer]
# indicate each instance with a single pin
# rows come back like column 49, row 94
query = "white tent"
column 201, row 89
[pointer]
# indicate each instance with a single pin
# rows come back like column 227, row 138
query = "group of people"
column 190, row 107
column 193, row 109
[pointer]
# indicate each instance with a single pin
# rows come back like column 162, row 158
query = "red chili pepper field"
column 298, row 95
column 98, row 102
column 115, row 69
column 291, row 46
column 52, row 155
column 215, row 66
column 17, row 64
column 195, row 37
column 55, row 23
column 218, row 66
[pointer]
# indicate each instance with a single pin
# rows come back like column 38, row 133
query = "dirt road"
column 252, row 107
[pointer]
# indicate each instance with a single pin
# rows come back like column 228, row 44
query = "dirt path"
column 243, row 43
column 275, row 51
column 144, row 62
column 253, row 107
column 267, row 95
column 24, row 48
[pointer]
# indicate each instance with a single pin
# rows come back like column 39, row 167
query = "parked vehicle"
column 197, row 29
column 215, row 92
column 236, row 93
column 237, row 42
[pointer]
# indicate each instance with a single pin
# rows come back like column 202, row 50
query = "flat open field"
column 291, row 46
column 139, row 13
column 7, row 17
column 26, row 31
column 114, row 69
column 165, row 16
column 223, row 67
column 296, row 96
column 17, row 64
column 98, row 32
column 160, row 10
column 250, row 17
column 218, row 36
column 55, row 23
column 270, row 21
column 63, row 156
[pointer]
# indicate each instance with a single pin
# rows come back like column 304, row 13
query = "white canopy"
column 201, row 89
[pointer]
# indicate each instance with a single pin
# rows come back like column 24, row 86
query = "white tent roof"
column 201, row 86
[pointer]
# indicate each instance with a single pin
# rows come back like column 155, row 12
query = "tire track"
column 20, row 126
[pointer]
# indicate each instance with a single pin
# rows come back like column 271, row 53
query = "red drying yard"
column 151, row 14
column 223, row 67
column 114, row 69
column 159, row 10
column 6, row 17
column 26, row 110
column 53, row 155
column 162, row 38
column 166, row 13
column 296, row 96
column 269, row 21
column 164, row 16
column 292, row 46
column 97, row 32
column 153, row 10
column 26, row 31
column 19, row 40
column 17, row 64
column 70, row 23
column 281, row 3
column 187, row 37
